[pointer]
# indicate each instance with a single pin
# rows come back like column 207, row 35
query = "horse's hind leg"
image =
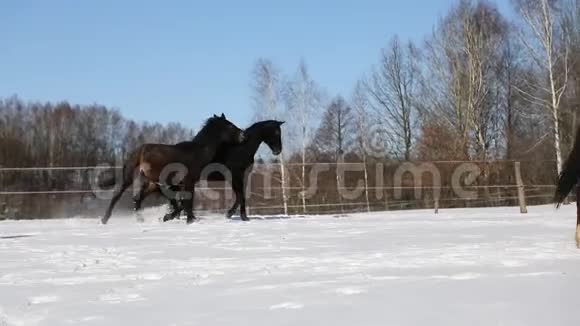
column 142, row 190
column 238, row 187
column 116, row 196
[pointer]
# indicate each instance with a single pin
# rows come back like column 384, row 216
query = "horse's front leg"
column 234, row 208
column 241, row 194
column 172, row 195
column 175, row 210
column 188, row 201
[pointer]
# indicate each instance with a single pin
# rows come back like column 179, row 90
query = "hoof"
column 245, row 219
column 191, row 220
column 104, row 221
column 168, row 218
column 229, row 215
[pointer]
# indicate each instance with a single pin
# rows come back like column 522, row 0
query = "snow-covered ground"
column 461, row 267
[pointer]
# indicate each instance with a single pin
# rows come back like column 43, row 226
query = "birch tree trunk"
column 541, row 40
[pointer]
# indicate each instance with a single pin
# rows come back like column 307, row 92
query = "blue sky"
column 184, row 60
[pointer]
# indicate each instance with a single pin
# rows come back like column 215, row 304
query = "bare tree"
column 393, row 89
column 266, row 98
column 549, row 49
column 485, row 32
column 303, row 102
column 519, row 115
column 463, row 56
column 334, row 137
column 362, row 126
column 510, row 77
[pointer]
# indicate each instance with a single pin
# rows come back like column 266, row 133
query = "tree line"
column 36, row 134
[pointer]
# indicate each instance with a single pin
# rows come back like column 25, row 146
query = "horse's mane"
column 570, row 172
column 205, row 131
column 207, row 128
column 260, row 125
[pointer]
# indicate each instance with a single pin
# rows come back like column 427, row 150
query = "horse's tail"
column 108, row 179
column 569, row 176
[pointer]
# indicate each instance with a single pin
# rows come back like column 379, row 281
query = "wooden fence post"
column 283, row 185
column 521, row 189
column 578, row 215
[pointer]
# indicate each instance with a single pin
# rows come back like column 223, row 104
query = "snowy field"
column 461, row 267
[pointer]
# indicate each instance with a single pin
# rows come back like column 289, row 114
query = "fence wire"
column 35, row 192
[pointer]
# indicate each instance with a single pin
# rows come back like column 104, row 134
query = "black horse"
column 235, row 161
column 568, row 179
column 159, row 164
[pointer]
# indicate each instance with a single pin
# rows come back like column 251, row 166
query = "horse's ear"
column 215, row 116
column 223, row 116
column 281, row 122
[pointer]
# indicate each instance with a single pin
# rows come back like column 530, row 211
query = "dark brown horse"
column 160, row 164
column 234, row 163
column 568, row 179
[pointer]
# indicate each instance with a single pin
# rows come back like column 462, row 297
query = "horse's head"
column 273, row 136
column 226, row 131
